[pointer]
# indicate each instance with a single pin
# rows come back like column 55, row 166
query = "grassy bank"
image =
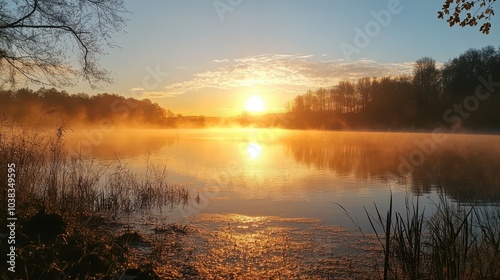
column 65, row 204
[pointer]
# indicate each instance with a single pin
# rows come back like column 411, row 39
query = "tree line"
column 432, row 96
column 53, row 106
column 463, row 93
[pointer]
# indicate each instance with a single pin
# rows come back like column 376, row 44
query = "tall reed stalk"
column 386, row 226
column 455, row 242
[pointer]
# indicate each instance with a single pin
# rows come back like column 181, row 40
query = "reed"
column 407, row 239
column 82, row 192
column 455, row 242
column 47, row 176
column 385, row 240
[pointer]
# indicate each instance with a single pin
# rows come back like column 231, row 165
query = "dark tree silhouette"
column 364, row 87
column 426, row 88
column 52, row 106
column 409, row 102
column 460, row 74
column 55, row 42
column 452, row 11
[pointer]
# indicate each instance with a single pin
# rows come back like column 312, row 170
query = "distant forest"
column 50, row 106
column 463, row 94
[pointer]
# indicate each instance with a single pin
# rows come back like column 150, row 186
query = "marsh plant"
column 457, row 241
column 46, row 175
column 125, row 190
column 81, row 192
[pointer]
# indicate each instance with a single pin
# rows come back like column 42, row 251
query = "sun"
column 255, row 104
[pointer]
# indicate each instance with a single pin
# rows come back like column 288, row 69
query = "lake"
column 252, row 185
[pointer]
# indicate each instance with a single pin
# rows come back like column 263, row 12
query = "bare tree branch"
column 57, row 42
column 35, row 4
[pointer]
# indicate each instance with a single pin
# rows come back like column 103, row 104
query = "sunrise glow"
column 255, row 104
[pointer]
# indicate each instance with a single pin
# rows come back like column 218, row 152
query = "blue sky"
column 197, row 60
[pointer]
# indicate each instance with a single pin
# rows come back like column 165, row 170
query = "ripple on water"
column 232, row 246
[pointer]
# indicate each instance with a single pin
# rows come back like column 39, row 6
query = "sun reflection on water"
column 234, row 246
column 254, row 150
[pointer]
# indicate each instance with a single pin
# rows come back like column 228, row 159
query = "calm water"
column 260, row 182
column 301, row 174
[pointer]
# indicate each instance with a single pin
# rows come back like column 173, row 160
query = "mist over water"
column 302, row 174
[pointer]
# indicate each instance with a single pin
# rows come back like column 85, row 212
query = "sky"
column 206, row 57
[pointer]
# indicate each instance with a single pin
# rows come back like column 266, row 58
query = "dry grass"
column 84, row 193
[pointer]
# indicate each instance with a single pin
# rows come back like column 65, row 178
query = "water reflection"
column 464, row 166
column 266, row 247
column 123, row 144
column 254, row 150
column 296, row 165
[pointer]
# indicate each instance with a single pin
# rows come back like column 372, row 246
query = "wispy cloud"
column 137, row 89
column 220, row 60
column 283, row 71
column 144, row 93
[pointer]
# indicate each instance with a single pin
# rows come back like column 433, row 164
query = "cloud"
column 139, row 92
column 137, row 89
column 296, row 72
column 220, row 60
